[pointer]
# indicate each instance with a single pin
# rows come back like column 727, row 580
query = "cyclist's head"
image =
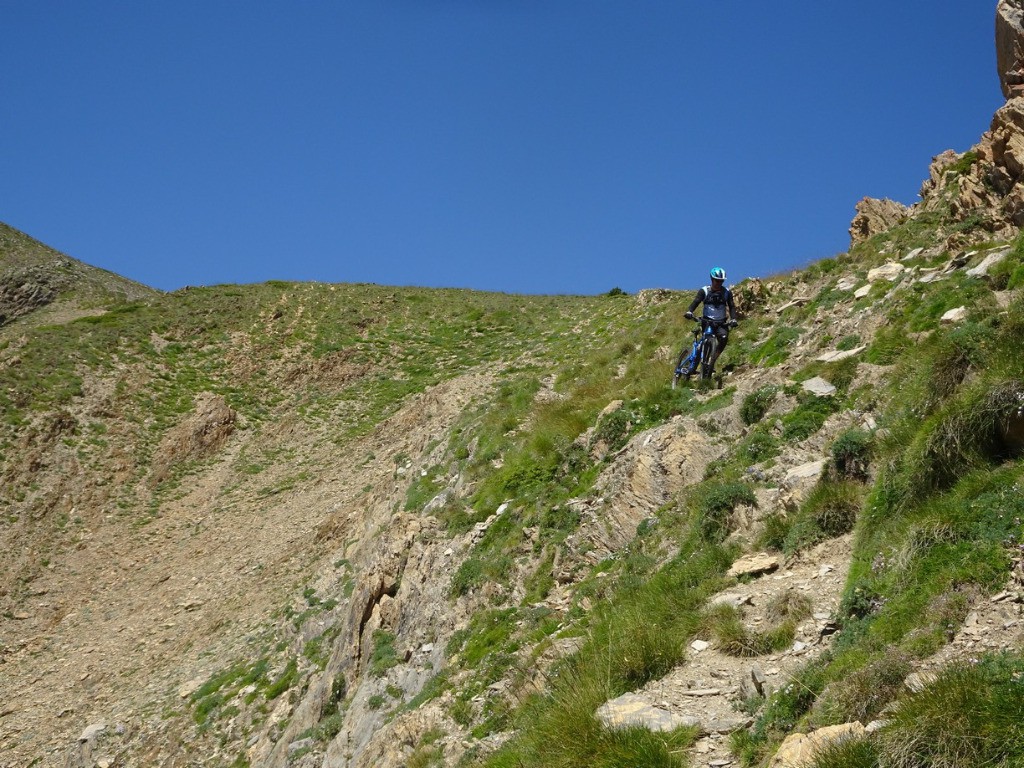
column 718, row 275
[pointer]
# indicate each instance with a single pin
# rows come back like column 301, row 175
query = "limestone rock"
column 819, row 386
column 988, row 262
column 632, row 710
column 751, row 296
column 957, row 315
column 651, row 296
column 1010, row 46
column 875, row 216
column 863, row 291
column 890, row 271
column 805, row 473
column 797, row 751
column 725, row 725
column 92, row 731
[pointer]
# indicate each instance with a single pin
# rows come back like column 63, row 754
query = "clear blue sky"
column 563, row 146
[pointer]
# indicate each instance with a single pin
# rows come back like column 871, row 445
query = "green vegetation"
column 384, row 655
column 756, row 404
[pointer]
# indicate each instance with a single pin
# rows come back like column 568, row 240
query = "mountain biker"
column 718, row 303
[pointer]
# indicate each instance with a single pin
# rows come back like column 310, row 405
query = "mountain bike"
column 703, row 354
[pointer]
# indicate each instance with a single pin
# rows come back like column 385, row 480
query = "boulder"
column 846, row 284
column 200, row 435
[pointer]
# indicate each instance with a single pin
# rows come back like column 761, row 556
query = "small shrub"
column 848, row 342
column 807, row 418
column 715, row 502
column 758, row 446
column 851, row 454
column 725, row 625
column 830, row 510
column 756, row 404
column 791, row 604
column 776, row 529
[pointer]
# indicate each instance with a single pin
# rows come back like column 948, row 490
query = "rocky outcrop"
column 1010, row 46
column 23, row 291
column 875, row 216
column 200, row 435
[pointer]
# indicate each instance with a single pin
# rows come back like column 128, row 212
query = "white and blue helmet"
column 717, row 273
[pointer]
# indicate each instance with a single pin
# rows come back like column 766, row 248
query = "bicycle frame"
column 700, row 338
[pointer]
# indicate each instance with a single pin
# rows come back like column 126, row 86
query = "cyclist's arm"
column 732, row 306
column 697, row 300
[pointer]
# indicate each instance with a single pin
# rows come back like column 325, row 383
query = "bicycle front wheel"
column 707, row 357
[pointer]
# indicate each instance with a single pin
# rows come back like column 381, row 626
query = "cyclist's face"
column 716, row 283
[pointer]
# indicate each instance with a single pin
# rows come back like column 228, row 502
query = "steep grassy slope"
column 295, row 524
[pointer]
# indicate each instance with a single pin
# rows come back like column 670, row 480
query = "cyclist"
column 718, row 303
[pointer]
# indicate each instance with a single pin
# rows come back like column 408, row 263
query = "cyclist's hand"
column 688, row 315
column 733, row 323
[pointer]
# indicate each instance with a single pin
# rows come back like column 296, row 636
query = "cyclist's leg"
column 722, row 334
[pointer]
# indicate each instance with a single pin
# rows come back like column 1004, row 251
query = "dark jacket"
column 716, row 303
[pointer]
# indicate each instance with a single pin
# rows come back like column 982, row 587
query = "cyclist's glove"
column 688, row 315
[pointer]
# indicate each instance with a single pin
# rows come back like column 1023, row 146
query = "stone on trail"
column 725, row 725
column 631, row 710
column 754, row 565
column 863, row 291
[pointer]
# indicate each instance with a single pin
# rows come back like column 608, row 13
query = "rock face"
column 1010, row 46
column 874, row 216
column 202, row 434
